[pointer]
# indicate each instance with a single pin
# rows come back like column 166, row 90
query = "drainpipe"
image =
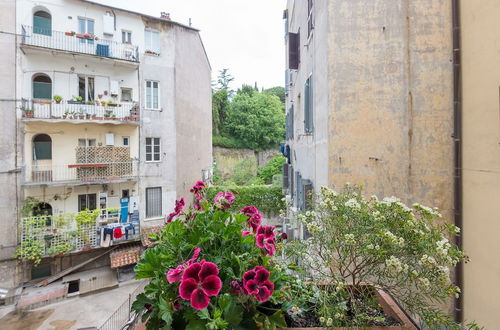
column 457, row 141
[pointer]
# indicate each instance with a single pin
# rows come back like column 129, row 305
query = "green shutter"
column 42, row 25
column 43, row 150
column 42, row 90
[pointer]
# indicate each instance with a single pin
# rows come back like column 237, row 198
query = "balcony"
column 69, row 111
column 65, row 233
column 80, row 44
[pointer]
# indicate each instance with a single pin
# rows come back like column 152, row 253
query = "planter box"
column 390, row 308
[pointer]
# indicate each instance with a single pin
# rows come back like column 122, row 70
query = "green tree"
column 220, row 108
column 256, row 120
column 246, row 89
column 278, row 91
column 224, row 80
column 273, row 167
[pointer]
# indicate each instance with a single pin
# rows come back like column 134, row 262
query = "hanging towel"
column 106, row 237
column 117, row 232
column 128, row 228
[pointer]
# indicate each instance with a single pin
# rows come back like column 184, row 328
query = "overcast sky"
column 247, row 37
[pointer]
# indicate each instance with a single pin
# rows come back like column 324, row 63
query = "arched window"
column 42, row 147
column 42, row 23
column 42, row 87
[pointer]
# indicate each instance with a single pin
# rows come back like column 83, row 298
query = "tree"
column 247, row 89
column 220, row 109
column 278, row 91
column 223, row 81
column 257, row 120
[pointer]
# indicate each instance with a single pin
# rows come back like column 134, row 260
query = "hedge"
column 268, row 199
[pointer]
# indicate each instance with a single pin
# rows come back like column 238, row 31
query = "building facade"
column 107, row 111
column 402, row 98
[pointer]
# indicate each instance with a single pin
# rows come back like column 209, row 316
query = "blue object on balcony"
column 102, row 50
column 124, row 209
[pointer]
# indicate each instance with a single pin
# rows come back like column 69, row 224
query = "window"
column 289, row 125
column 310, row 25
column 293, row 50
column 126, row 37
column 152, row 41
column 152, row 149
column 153, row 202
column 42, row 23
column 125, row 141
column 86, row 25
column 42, row 87
column 86, row 143
column 86, row 88
column 126, row 94
column 152, row 94
column 42, row 147
column 87, row 202
column 308, row 106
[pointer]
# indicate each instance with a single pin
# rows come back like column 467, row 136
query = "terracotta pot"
column 390, row 307
column 69, row 34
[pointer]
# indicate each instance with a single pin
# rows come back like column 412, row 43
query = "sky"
column 246, row 37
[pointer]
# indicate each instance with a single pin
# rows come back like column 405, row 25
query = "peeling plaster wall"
column 390, row 84
column 481, row 159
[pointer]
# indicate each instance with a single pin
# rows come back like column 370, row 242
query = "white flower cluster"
column 328, row 203
column 403, row 206
column 427, row 261
column 353, row 204
column 395, row 265
column 442, row 247
column 444, row 273
column 330, row 193
column 313, row 227
column 424, row 283
column 433, row 211
column 310, row 214
column 373, row 247
column 328, row 322
column 339, row 316
column 349, row 238
column 400, row 241
column 389, row 200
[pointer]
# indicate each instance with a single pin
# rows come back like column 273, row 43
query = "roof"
column 143, row 15
column 125, row 256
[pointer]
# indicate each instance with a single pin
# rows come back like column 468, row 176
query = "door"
column 86, row 25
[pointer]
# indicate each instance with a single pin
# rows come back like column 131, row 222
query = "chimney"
column 165, row 15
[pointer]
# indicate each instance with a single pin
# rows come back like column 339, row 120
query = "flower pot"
column 390, row 308
column 28, row 114
column 69, row 34
column 58, row 101
column 81, row 36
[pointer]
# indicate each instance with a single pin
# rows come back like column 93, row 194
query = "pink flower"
column 265, row 239
column 236, row 287
column 179, row 205
column 224, row 200
column 284, row 236
column 256, row 282
column 198, row 191
column 246, row 233
column 175, row 274
column 177, row 305
column 199, row 282
column 198, row 187
column 254, row 217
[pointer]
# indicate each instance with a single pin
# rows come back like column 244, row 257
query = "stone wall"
column 226, row 159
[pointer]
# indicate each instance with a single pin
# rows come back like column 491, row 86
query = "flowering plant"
column 404, row 251
column 210, row 268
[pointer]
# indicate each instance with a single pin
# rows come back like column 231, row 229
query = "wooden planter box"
column 390, row 307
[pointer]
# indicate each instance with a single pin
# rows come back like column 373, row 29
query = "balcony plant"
column 112, row 103
column 57, row 98
column 28, row 113
column 353, row 241
column 70, row 33
column 213, row 269
column 65, row 114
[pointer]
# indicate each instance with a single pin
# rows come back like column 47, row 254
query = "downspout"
column 457, row 141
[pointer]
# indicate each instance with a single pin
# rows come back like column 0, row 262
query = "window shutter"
column 293, row 50
column 286, row 180
column 153, row 202
column 308, row 106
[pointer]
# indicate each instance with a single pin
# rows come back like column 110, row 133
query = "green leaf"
column 165, row 312
column 195, row 325
column 278, row 319
column 233, row 313
column 203, row 314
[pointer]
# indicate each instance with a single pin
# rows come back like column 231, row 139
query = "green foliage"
column 227, row 142
column 220, row 109
column 404, row 251
column 247, row 89
column 268, row 199
column 29, row 204
column 218, row 234
column 258, row 120
column 244, row 171
column 273, row 167
column 277, row 91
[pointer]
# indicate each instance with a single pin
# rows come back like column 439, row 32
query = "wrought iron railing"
column 121, row 112
column 79, row 172
column 79, row 43
column 64, row 233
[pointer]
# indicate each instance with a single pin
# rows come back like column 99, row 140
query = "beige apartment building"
column 403, row 98
column 105, row 109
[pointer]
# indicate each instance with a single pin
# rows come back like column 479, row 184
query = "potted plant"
column 113, row 117
column 65, row 114
column 28, row 113
column 76, row 100
column 112, row 103
column 107, row 115
column 359, row 247
column 70, row 33
column 212, row 269
column 57, row 98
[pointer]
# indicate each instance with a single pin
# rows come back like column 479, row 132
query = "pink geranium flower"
column 175, row 274
column 198, row 190
column 254, row 217
column 179, row 205
column 224, row 200
column 199, row 283
column 256, row 282
column 265, row 239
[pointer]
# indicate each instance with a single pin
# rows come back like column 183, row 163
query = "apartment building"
column 106, row 109
column 402, row 98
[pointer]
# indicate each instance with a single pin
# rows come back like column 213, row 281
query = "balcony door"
column 86, row 25
column 86, row 88
column 42, row 23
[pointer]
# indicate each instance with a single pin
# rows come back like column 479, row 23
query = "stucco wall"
column 9, row 175
column 481, row 159
column 390, row 75
column 193, row 110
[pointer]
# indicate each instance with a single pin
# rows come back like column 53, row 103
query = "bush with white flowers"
column 406, row 251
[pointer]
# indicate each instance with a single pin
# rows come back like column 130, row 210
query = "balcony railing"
column 122, row 112
column 64, row 233
column 80, row 43
column 79, row 173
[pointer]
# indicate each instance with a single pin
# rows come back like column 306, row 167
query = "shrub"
column 399, row 249
column 273, row 167
column 268, row 199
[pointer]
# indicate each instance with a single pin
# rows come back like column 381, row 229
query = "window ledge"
column 155, row 218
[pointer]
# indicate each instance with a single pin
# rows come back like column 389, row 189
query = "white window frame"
column 150, row 41
column 128, row 141
column 128, row 35
column 153, row 160
column 152, row 95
